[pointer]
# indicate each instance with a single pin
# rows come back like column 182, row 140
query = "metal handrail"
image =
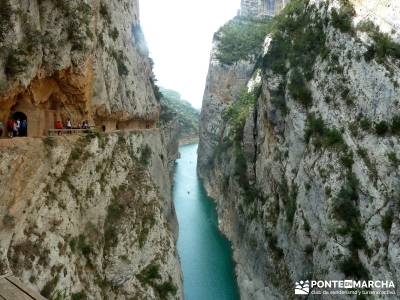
column 70, row 131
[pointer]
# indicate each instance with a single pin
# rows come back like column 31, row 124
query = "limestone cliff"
column 90, row 216
column 261, row 8
column 305, row 165
column 177, row 110
column 75, row 59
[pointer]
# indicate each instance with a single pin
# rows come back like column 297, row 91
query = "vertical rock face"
column 310, row 190
column 90, row 56
column 224, row 83
column 85, row 217
column 90, row 215
column 261, row 8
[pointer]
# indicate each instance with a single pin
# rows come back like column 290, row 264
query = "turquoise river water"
column 206, row 255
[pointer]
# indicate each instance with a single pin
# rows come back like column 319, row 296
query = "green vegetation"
column 49, row 287
column 395, row 125
column 297, row 40
column 392, row 156
column 381, row 128
column 241, row 39
column 111, row 236
column 235, row 115
column 120, row 60
column 33, row 38
column 363, row 153
column 383, row 46
column 387, row 221
column 72, row 244
column 79, row 296
column 151, row 276
column 345, row 209
column 289, row 199
column 145, row 155
column 166, row 288
column 150, row 273
column 173, row 106
column 237, row 112
column 322, row 136
column 104, row 12
column 278, row 98
column 291, row 205
column 347, row 159
column 78, row 17
column 309, row 250
column 8, row 221
column 5, row 18
column 16, row 62
column 49, row 142
column 114, row 213
column 85, row 249
column 353, row 268
column 114, row 34
column 365, row 124
column 306, row 225
column 298, row 88
column 343, row 19
column 273, row 245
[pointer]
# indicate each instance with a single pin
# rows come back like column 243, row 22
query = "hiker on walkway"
column 85, row 125
column 23, row 128
column 15, row 129
column 10, row 128
column 69, row 126
column 1, row 129
column 59, row 127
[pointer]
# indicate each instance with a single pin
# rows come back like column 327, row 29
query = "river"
column 206, row 255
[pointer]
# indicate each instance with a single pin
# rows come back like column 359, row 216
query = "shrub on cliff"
column 342, row 19
column 5, row 18
column 299, row 90
column 241, row 39
column 322, row 135
column 79, row 296
column 120, row 60
column 381, row 128
column 145, row 155
column 173, row 106
column 353, row 268
column 16, row 62
column 383, row 45
column 297, row 40
column 237, row 113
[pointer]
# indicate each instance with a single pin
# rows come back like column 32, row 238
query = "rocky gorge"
column 85, row 216
column 299, row 145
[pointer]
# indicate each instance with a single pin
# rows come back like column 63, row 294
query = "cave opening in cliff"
column 22, row 118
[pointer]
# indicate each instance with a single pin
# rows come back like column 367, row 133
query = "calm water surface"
column 206, row 256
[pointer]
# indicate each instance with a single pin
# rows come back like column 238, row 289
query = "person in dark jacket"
column 23, row 128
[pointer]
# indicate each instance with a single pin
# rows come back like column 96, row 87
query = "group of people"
column 68, row 125
column 15, row 128
column 18, row 127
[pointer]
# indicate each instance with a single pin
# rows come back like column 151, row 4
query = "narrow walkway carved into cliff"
column 13, row 289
